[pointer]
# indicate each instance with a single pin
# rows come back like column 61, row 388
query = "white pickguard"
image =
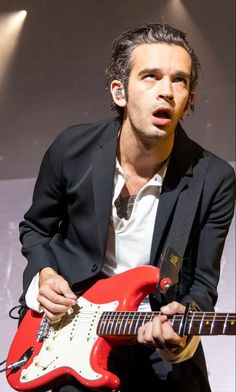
column 70, row 343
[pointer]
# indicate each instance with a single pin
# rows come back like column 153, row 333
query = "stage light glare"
column 10, row 28
column 17, row 18
column 22, row 14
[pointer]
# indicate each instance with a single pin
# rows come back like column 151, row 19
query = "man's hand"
column 55, row 296
column 159, row 332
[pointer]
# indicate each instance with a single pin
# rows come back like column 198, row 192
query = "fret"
column 180, row 325
column 176, row 321
column 191, row 323
column 106, row 324
column 123, row 324
column 196, row 322
column 126, row 323
column 111, row 324
column 201, row 325
column 219, row 322
column 213, row 324
column 206, row 324
column 137, row 325
column 119, row 318
column 118, row 324
column 230, row 324
column 225, row 323
column 136, row 321
column 130, row 324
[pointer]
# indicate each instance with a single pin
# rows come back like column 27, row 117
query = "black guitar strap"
column 172, row 257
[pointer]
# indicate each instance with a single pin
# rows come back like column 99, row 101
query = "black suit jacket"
column 67, row 225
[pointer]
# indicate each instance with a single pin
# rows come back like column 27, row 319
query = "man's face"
column 158, row 89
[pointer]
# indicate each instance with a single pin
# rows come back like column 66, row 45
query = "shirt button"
column 94, row 268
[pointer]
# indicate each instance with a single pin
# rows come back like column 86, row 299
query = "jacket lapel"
column 166, row 205
column 177, row 178
column 103, row 171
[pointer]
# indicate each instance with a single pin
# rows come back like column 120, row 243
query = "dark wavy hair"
column 120, row 63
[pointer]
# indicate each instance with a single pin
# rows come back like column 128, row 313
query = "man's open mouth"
column 162, row 113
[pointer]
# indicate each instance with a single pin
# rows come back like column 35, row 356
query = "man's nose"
column 165, row 89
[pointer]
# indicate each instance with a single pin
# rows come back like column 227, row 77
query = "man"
column 105, row 201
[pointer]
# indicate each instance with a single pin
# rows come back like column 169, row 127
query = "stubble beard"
column 149, row 139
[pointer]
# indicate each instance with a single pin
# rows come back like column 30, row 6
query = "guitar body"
column 72, row 347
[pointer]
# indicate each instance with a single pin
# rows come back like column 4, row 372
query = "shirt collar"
column 156, row 180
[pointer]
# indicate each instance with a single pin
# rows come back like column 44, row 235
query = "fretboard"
column 197, row 323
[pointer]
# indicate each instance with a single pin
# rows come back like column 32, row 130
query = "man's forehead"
column 158, row 55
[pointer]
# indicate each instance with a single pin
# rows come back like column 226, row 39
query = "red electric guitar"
column 79, row 345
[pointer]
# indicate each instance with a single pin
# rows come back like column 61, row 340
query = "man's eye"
column 150, row 76
column 181, row 80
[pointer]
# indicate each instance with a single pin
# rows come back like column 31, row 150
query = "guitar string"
column 118, row 314
column 107, row 322
column 135, row 312
column 139, row 316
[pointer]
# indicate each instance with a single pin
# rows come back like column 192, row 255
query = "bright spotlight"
column 10, row 27
column 21, row 15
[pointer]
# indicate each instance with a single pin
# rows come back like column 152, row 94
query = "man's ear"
column 118, row 93
column 190, row 103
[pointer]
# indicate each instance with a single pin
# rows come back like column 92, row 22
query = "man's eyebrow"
column 149, row 71
column 146, row 71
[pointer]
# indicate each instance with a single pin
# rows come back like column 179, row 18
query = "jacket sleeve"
column 208, row 241
column 43, row 218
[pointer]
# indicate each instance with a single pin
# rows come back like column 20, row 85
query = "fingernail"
column 164, row 308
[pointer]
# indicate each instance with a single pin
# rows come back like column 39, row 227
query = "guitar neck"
column 197, row 323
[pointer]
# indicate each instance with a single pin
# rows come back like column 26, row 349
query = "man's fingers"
column 171, row 339
column 57, row 290
column 65, row 290
column 151, row 333
column 52, row 318
column 47, row 295
column 55, row 296
column 55, row 305
column 51, row 279
column 144, row 335
column 173, row 308
column 159, row 333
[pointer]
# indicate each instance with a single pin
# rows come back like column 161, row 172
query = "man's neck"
column 142, row 159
